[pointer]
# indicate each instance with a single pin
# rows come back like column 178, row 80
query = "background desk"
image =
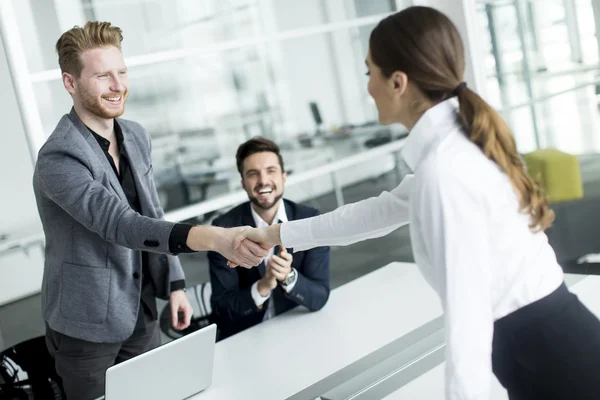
column 21, row 264
column 283, row 356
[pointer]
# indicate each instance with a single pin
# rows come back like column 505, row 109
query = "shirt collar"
column 281, row 216
column 103, row 142
column 435, row 124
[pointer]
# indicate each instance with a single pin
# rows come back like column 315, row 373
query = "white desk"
column 299, row 348
column 285, row 355
column 430, row 385
column 588, row 291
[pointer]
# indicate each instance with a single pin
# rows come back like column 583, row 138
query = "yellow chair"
column 558, row 173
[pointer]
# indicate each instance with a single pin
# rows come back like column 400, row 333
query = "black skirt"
column 549, row 349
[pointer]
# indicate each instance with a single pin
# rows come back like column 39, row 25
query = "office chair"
column 27, row 372
column 199, row 298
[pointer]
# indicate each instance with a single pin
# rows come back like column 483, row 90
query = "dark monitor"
column 314, row 109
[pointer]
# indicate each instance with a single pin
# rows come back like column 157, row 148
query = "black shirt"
column 177, row 239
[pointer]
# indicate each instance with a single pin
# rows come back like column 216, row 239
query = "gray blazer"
column 89, row 290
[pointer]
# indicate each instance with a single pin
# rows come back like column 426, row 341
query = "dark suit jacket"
column 233, row 307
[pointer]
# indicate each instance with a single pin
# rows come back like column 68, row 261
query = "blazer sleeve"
column 312, row 287
column 62, row 175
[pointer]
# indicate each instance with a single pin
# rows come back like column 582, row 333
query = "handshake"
column 241, row 246
column 247, row 247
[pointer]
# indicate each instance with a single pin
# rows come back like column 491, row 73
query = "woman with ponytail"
column 477, row 223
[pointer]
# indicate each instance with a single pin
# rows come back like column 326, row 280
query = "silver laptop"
column 173, row 371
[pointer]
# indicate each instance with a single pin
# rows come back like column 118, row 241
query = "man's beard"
column 95, row 106
column 256, row 202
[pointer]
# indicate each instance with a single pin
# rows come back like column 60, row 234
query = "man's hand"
column 179, row 303
column 280, row 266
column 267, row 283
column 230, row 243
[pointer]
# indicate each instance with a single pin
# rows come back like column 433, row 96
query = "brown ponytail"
column 425, row 45
column 487, row 129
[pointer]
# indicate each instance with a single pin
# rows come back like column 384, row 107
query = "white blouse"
column 469, row 239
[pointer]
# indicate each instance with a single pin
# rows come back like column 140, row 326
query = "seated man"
column 242, row 297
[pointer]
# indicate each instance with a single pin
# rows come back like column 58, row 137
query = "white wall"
column 596, row 11
column 39, row 29
column 347, row 62
column 20, row 273
column 307, row 64
column 326, row 68
column 17, row 204
column 464, row 15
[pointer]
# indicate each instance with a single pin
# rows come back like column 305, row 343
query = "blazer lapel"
column 93, row 143
column 138, row 168
column 247, row 219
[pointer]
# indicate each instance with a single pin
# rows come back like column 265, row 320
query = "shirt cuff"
column 258, row 299
column 177, row 285
column 288, row 289
column 178, row 239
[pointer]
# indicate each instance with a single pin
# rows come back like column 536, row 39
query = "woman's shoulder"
column 457, row 164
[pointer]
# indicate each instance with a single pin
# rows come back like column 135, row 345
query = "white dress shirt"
column 469, row 239
column 258, row 299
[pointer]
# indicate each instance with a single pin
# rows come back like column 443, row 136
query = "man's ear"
column 69, row 82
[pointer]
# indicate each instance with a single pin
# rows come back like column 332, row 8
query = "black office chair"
column 27, row 373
